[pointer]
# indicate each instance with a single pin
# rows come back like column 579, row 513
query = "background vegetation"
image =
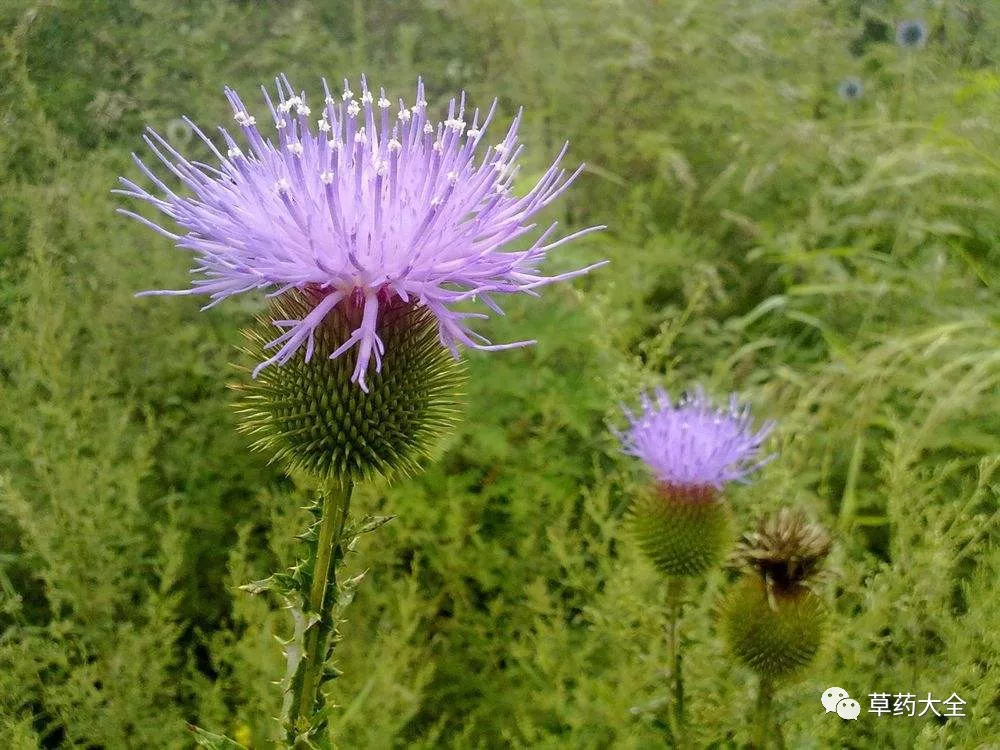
column 834, row 260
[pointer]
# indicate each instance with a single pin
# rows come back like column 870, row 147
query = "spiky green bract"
column 773, row 636
column 683, row 532
column 311, row 417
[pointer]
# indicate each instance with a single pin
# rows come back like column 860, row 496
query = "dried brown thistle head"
column 786, row 550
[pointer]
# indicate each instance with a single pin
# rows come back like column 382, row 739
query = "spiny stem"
column 322, row 596
column 765, row 695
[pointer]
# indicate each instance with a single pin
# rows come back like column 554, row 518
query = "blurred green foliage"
column 836, row 261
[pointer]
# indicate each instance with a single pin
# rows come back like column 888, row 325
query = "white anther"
column 366, row 97
column 438, row 146
column 428, row 128
column 295, row 149
column 279, row 123
column 348, row 94
column 473, row 132
column 324, row 126
column 384, row 103
column 304, row 110
column 452, row 178
column 242, row 118
column 234, row 152
column 361, row 136
column 353, row 109
column 395, row 146
column 457, row 125
column 326, row 177
column 404, row 115
column 282, row 185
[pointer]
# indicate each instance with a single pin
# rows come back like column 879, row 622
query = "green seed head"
column 311, row 417
column 772, row 618
column 683, row 533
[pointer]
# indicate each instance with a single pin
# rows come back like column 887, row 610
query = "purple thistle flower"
column 372, row 209
column 692, row 447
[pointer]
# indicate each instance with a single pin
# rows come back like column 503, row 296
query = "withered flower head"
column 786, row 549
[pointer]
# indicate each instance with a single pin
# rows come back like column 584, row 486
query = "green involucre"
column 311, row 417
column 776, row 636
column 680, row 537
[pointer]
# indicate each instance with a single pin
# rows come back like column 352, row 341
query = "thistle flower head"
column 785, row 549
column 911, row 34
column 851, row 89
column 692, row 447
column 363, row 203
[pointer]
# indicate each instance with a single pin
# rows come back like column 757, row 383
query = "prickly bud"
column 311, row 416
column 684, row 532
column 775, row 636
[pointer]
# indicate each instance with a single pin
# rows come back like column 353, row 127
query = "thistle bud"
column 311, row 416
column 772, row 618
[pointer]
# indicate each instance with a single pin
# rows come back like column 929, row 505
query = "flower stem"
column 765, row 694
column 675, row 603
column 322, row 598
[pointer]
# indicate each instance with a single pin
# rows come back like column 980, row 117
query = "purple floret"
column 365, row 204
column 693, row 445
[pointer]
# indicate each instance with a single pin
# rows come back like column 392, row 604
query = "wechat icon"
column 836, row 700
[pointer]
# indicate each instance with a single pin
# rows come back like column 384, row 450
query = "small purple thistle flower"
column 691, row 446
column 372, row 209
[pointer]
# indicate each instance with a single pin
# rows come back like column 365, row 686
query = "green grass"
column 835, row 262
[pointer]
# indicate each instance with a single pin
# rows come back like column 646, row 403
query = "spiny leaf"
column 213, row 741
column 277, row 582
column 370, row 523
